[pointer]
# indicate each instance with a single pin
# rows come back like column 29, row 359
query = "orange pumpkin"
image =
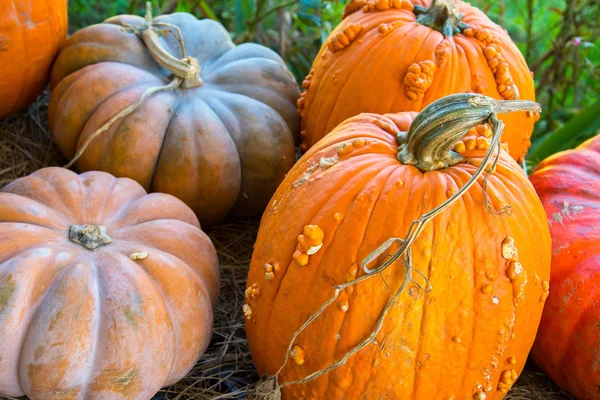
column 397, row 55
column 567, row 346
column 105, row 291
column 221, row 140
column 466, row 338
column 30, row 32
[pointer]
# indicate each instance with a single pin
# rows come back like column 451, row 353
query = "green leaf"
column 243, row 12
column 208, row 12
column 575, row 131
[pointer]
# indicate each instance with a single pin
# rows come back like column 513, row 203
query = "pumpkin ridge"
column 38, row 305
column 291, row 262
column 459, row 182
column 352, row 76
column 115, row 127
column 89, row 44
column 66, row 210
column 402, row 91
column 42, row 206
column 159, row 289
column 98, row 309
column 392, row 169
column 152, row 246
column 406, row 171
column 174, row 110
column 430, row 197
column 93, row 111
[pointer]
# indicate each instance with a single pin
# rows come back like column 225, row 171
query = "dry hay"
column 226, row 370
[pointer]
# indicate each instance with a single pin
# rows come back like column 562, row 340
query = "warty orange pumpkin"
column 401, row 55
column 106, row 292
column 366, row 182
column 30, row 32
column 567, row 346
column 215, row 127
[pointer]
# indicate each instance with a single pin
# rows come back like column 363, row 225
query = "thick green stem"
column 442, row 16
column 435, row 130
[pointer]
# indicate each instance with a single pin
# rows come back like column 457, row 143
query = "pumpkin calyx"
column 89, row 236
column 430, row 140
column 186, row 68
column 442, row 16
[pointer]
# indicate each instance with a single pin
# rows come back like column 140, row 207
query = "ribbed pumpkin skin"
column 567, row 346
column 374, row 72
column 30, row 32
column 449, row 343
column 222, row 147
column 82, row 324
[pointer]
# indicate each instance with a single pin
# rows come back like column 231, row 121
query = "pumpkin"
column 469, row 336
column 567, row 346
column 221, row 141
column 400, row 55
column 30, row 32
column 106, row 292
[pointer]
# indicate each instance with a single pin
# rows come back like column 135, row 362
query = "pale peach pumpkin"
column 106, row 292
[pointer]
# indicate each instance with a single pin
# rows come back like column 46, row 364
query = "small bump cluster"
column 252, row 292
column 353, row 6
column 514, row 271
column 479, row 137
column 309, row 243
column 384, row 29
column 492, row 51
column 381, row 5
column 507, row 379
column 343, row 39
column 442, row 53
column 343, row 149
column 418, row 79
column 247, row 311
column 297, row 354
column 270, row 269
column 545, row 291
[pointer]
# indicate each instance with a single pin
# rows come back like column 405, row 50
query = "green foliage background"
column 559, row 39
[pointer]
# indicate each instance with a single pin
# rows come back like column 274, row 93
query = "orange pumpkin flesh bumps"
column 567, row 347
column 221, row 141
column 30, row 32
column 106, row 292
column 383, row 57
column 467, row 338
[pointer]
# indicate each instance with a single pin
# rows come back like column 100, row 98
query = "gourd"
column 400, row 55
column 105, row 291
column 567, row 346
column 30, row 33
column 455, row 317
column 172, row 103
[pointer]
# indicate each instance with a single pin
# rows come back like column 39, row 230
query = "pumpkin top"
column 442, row 16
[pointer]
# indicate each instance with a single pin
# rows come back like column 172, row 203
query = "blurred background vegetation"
column 560, row 40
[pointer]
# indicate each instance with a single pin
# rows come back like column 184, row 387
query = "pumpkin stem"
column 442, row 16
column 435, row 130
column 89, row 236
column 186, row 68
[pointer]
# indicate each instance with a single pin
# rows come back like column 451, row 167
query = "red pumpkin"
column 469, row 336
column 567, row 346
column 106, row 292
column 400, row 55
column 30, row 32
